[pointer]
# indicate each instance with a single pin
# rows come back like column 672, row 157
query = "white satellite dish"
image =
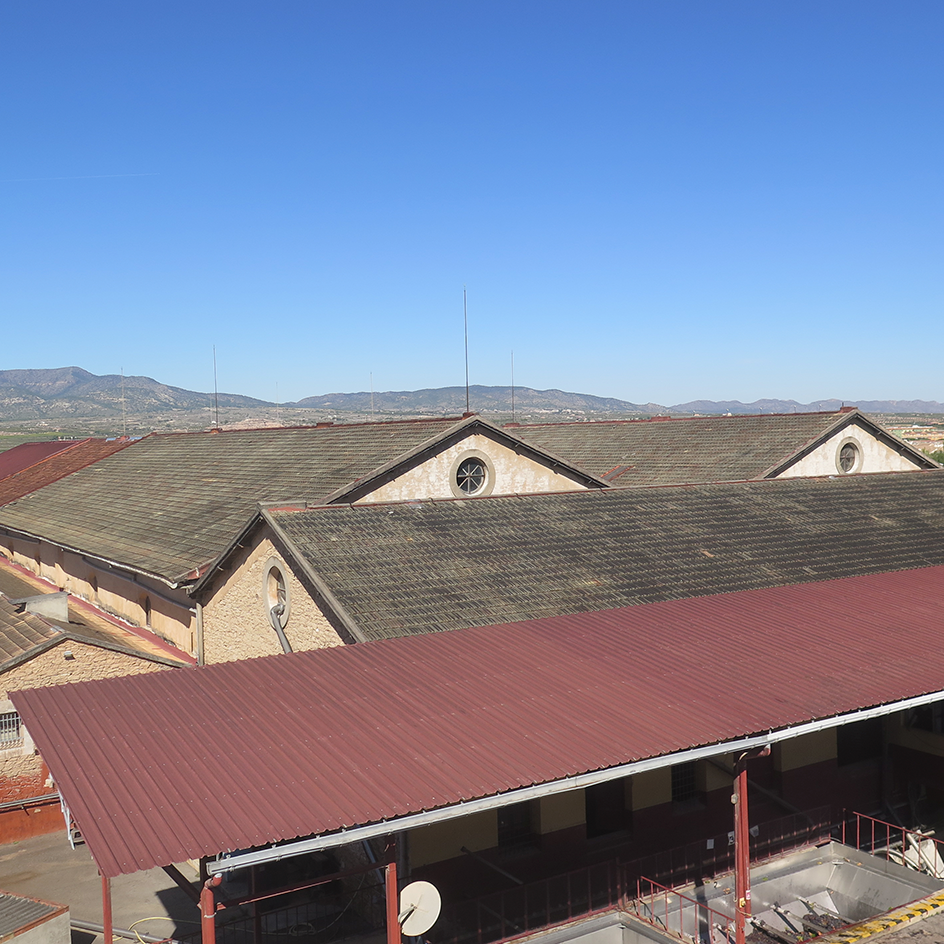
column 420, row 904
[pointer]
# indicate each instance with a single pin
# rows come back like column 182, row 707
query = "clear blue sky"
column 654, row 200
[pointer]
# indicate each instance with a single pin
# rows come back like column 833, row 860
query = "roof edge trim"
column 520, row 795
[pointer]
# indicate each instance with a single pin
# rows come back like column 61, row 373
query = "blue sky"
column 649, row 200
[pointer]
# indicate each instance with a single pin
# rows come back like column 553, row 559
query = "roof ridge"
column 663, row 418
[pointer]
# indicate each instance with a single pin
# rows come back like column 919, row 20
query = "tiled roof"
column 417, row 567
column 26, row 454
column 684, row 450
column 22, row 633
column 169, row 504
column 60, row 464
column 248, row 753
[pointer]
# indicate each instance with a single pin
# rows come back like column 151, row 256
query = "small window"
column 275, row 591
column 514, row 826
column 11, row 730
column 471, row 476
column 147, row 612
column 848, row 458
column 683, row 782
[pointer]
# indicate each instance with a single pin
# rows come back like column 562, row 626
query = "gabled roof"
column 63, row 462
column 169, row 505
column 683, row 450
column 418, row 567
column 29, row 453
column 362, row 734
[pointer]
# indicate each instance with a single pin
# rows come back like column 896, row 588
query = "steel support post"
column 208, row 910
column 742, row 844
column 392, row 894
column 108, row 933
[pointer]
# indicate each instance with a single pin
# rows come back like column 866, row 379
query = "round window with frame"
column 275, row 591
column 472, row 475
column 848, row 457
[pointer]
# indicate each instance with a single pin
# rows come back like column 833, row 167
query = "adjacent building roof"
column 169, row 505
column 24, row 635
column 18, row 913
column 417, row 567
column 244, row 754
column 63, row 462
column 29, row 453
column 667, row 450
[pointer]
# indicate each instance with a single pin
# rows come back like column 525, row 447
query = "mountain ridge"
column 72, row 392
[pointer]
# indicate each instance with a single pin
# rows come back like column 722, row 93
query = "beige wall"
column 809, row 749
column 53, row 668
column 236, row 621
column 876, row 456
column 445, row 840
column 561, row 811
column 111, row 592
column 514, row 474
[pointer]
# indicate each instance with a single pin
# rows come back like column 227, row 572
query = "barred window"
column 11, row 730
column 683, row 782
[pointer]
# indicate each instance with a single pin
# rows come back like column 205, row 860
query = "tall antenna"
column 465, row 318
column 124, row 411
column 372, row 395
column 512, row 386
column 278, row 407
column 216, row 393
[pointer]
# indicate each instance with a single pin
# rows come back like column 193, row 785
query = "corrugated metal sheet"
column 160, row 768
column 18, row 913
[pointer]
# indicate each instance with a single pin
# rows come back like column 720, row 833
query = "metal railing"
column 907, row 847
column 557, row 900
column 666, row 909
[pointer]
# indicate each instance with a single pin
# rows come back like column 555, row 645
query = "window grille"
column 11, row 730
column 683, row 782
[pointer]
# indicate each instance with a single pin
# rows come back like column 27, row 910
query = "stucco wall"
column 875, row 456
column 513, row 474
column 445, row 840
column 117, row 595
column 235, row 618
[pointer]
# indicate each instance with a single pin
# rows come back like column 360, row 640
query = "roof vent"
column 848, row 409
column 323, row 425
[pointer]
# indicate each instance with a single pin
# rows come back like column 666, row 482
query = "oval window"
column 471, row 476
column 848, row 457
column 275, row 591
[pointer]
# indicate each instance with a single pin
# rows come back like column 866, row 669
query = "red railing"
column 678, row 914
column 917, row 850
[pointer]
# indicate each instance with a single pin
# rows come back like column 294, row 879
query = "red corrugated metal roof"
column 165, row 767
column 27, row 454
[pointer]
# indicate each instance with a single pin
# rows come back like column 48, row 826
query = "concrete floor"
column 46, row 867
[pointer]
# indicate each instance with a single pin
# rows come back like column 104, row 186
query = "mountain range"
column 71, row 392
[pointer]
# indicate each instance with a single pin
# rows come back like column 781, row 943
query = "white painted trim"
column 580, row 781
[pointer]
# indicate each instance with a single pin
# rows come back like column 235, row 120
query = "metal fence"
column 907, row 847
column 664, row 908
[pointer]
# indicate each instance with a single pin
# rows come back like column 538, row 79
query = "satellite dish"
column 420, row 904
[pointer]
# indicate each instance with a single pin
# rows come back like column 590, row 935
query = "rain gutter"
column 554, row 787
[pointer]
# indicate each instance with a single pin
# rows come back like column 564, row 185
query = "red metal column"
column 742, row 844
column 208, row 910
column 106, row 911
column 393, row 898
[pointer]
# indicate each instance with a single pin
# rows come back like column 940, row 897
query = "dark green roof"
column 171, row 503
column 691, row 449
column 417, row 567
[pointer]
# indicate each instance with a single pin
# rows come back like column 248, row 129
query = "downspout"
column 274, row 613
column 199, row 647
column 208, row 910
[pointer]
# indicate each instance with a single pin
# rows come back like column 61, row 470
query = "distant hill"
column 445, row 400
column 66, row 393
column 792, row 406
column 70, row 392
